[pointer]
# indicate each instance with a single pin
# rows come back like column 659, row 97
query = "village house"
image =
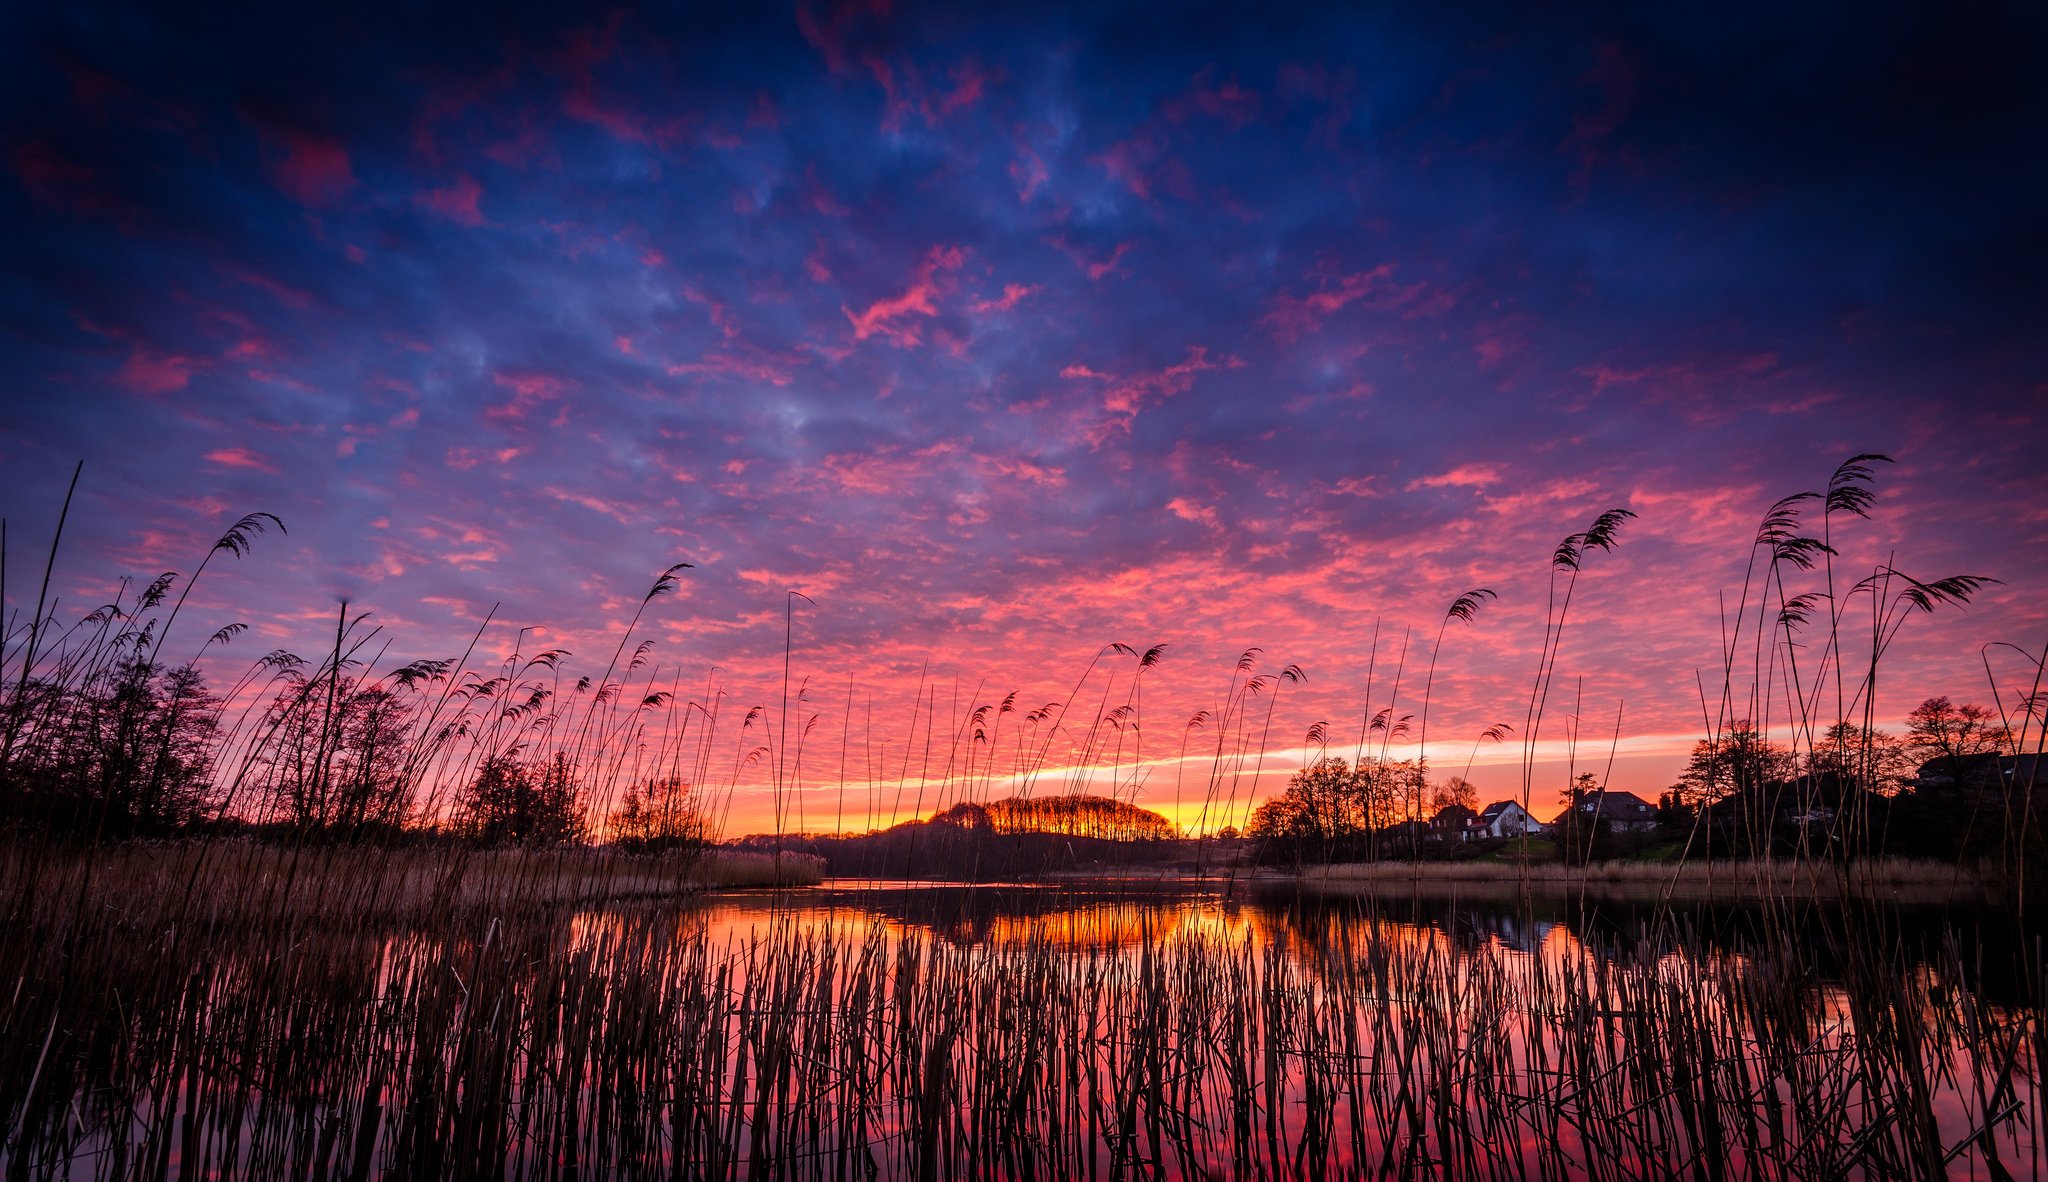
column 1502, row 818
column 1450, row 822
column 1622, row 812
column 1987, row 774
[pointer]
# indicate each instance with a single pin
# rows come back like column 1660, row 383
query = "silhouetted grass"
column 404, row 946
column 145, row 1037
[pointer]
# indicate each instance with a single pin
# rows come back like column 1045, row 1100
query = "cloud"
column 312, row 169
column 149, row 371
column 456, row 201
column 894, row 318
column 242, row 458
column 1123, row 396
column 1187, row 510
column 1013, row 294
column 1462, row 476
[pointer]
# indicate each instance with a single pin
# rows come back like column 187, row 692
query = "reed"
column 481, row 1039
column 351, row 915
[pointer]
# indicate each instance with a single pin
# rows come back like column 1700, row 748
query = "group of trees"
column 1942, row 735
column 1749, row 790
column 126, row 750
column 128, row 747
column 1078, row 815
column 976, row 841
column 1332, row 811
column 1851, row 789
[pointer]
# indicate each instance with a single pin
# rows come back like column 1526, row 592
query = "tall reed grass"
column 144, row 1040
column 416, row 962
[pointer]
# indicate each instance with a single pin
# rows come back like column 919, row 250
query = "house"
column 1450, row 823
column 1503, row 818
column 1990, row 773
column 1803, row 801
column 1408, row 832
column 1623, row 812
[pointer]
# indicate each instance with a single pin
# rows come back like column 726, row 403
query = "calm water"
column 1092, row 1029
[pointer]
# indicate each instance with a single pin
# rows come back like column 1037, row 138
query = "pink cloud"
column 1123, row 396
column 241, row 457
column 1293, row 317
column 834, row 31
column 1028, row 171
column 747, row 364
column 55, row 180
column 893, row 318
column 1462, row 476
column 1013, row 294
column 456, row 201
column 529, row 390
column 1230, row 103
column 312, row 169
column 290, row 297
column 462, row 459
column 148, row 371
column 1187, row 510
column 1094, row 268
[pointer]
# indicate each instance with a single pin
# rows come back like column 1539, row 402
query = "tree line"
column 1950, row 786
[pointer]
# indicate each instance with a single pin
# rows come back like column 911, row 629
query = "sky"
column 1003, row 336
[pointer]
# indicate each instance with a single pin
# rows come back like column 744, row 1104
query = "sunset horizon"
column 869, row 589
column 1000, row 342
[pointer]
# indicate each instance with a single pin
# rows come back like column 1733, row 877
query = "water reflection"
column 1105, row 914
column 1159, row 1027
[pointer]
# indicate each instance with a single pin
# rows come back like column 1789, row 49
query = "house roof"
column 1986, row 770
column 1622, row 806
column 1497, row 808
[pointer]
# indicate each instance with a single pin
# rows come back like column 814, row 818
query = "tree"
column 513, row 803
column 1952, row 737
column 125, row 751
column 1874, row 760
column 1329, row 808
column 1078, row 815
column 1741, row 763
column 660, row 816
column 337, row 756
column 1573, row 827
column 1457, row 791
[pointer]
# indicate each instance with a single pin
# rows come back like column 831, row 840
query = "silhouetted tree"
column 512, row 803
column 1329, row 810
column 124, row 751
column 1953, row 737
column 1874, row 760
column 660, row 816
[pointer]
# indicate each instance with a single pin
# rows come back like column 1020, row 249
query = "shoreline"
column 1892, row 880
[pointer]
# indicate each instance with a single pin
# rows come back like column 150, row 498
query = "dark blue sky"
column 1006, row 335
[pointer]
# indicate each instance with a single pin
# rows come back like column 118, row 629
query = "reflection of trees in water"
column 1994, row 950
column 1103, row 916
column 1311, row 927
column 1055, row 1030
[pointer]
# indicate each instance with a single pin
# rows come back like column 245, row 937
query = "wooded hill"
column 1014, row 837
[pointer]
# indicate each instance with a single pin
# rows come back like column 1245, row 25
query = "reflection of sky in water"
column 1336, row 1000
column 1103, row 916
column 1508, row 978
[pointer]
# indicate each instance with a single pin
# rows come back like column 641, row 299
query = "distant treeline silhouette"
column 1012, row 837
column 106, row 733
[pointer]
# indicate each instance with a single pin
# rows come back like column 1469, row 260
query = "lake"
column 1155, row 1028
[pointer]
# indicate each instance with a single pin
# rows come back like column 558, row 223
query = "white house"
column 1503, row 818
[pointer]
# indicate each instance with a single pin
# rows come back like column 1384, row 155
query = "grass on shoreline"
column 234, row 883
column 1902, row 879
